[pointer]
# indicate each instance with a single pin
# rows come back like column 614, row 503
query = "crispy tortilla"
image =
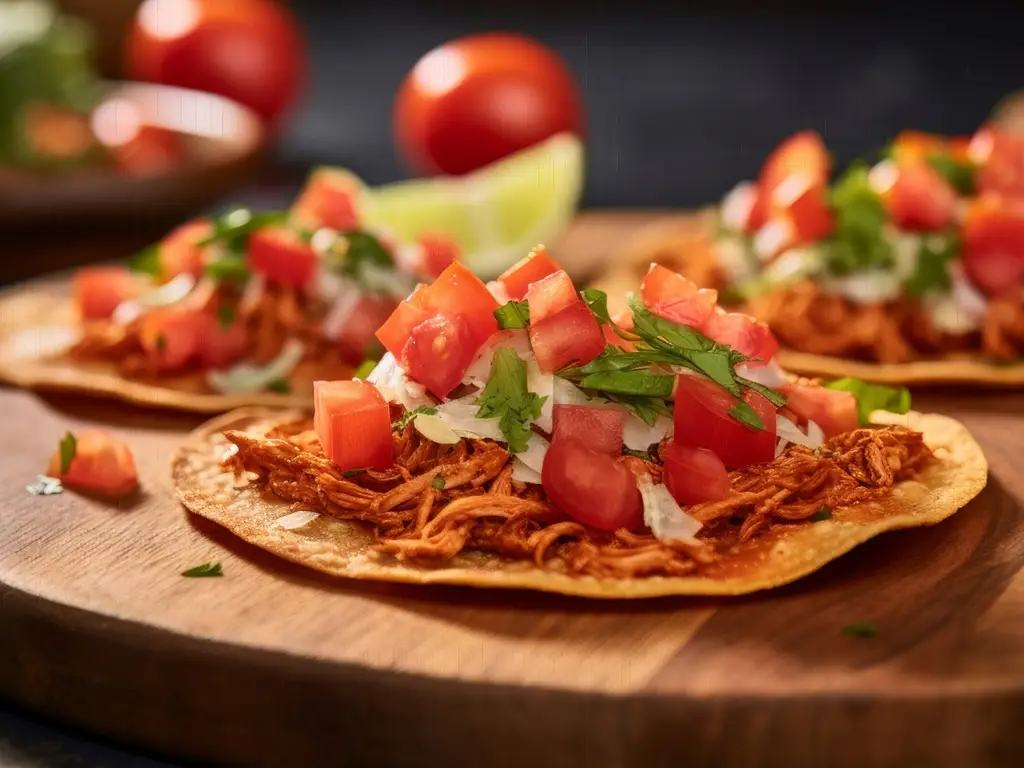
column 783, row 554
column 37, row 327
column 682, row 242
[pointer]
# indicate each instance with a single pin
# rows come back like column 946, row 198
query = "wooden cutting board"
column 275, row 665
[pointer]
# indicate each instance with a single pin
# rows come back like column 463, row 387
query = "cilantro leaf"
column 365, row 369
column 873, row 397
column 647, row 409
column 775, row 398
column 225, row 315
column 68, row 446
column 234, row 226
column 437, row 483
column 597, row 300
column 231, row 267
column 744, row 414
column 281, row 386
column 146, row 261
column 204, row 571
column 507, row 398
column 933, row 259
column 959, row 175
column 858, row 241
column 403, row 421
column 824, row 513
column 641, row 383
column 862, row 629
column 513, row 314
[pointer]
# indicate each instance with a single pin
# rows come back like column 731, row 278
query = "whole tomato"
column 477, row 99
column 250, row 51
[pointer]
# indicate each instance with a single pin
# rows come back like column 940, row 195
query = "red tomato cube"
column 353, row 422
column 171, row 337
column 671, row 296
column 98, row 290
column 835, row 411
column 439, row 251
column 329, row 199
column 693, row 475
column 282, row 256
column 457, row 291
column 993, row 244
column 395, row 331
column 438, row 353
column 747, row 335
column 535, row 266
column 369, row 315
column 220, row 345
column 600, row 429
column 914, row 193
column 550, row 295
column 594, row 488
column 180, row 252
column 570, row 335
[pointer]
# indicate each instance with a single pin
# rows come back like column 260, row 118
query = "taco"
column 520, row 437
column 910, row 270
column 240, row 309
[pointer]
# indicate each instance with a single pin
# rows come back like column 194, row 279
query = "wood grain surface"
column 274, row 665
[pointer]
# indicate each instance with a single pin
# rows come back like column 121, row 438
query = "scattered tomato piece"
column 98, row 462
column 171, row 337
column 282, row 256
column 600, row 429
column 693, row 475
column 180, row 252
column 592, row 487
column 439, row 251
column 458, row 291
column 745, row 334
column 439, row 352
column 571, row 335
column 674, row 297
column 329, row 199
column 353, row 422
column 835, row 411
column 98, row 290
column 537, row 265
column 915, row 194
column 993, row 244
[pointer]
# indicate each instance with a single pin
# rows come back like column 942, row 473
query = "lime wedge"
column 496, row 214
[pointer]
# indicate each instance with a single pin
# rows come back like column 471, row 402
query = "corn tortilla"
column 784, row 554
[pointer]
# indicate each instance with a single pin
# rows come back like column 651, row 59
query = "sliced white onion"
column 906, row 251
column 409, row 258
column 780, row 446
column 395, row 387
column 733, row 258
column 344, row 304
column 246, row 377
column 297, row 519
column 523, row 473
column 960, row 311
column 566, row 393
column 737, row 205
column 637, row 435
column 252, row 294
column 327, row 284
column 772, row 238
column 460, row 416
column 323, row 239
column 787, row 430
column 769, row 375
column 665, row 518
column 167, row 294
column 543, row 385
column 536, row 450
column 794, row 264
column 479, row 370
column 386, row 281
column 875, row 286
column 815, row 433
column 435, row 429
column 499, row 292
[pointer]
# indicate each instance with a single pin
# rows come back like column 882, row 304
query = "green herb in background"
column 234, row 227
column 933, row 260
column 68, row 447
column 281, row 386
column 225, row 315
column 204, row 571
column 873, row 397
column 146, row 261
column 863, row 629
column 858, row 241
column 959, row 175
column 437, row 483
column 824, row 513
column 365, row 369
column 230, row 267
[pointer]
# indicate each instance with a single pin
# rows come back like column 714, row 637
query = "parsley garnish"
column 513, row 314
column 863, row 629
column 823, row 513
column 68, row 446
column 365, row 369
column 234, row 227
column 281, row 386
column 438, row 483
column 225, row 315
column 146, row 261
column 858, row 241
column 598, row 303
column 933, row 259
column 45, row 486
column 873, row 397
column 231, row 267
column 204, row 571
column 403, row 421
column 959, row 175
column 507, row 398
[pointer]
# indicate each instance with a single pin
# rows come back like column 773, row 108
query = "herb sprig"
column 508, row 399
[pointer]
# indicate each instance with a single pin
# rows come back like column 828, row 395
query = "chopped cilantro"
column 146, row 261
column 68, row 446
column 933, row 259
column 437, row 483
column 873, row 397
column 403, row 421
column 508, row 399
column 234, row 227
column 365, row 369
column 362, row 249
column 513, row 314
column 640, row 383
column 281, row 386
column 225, row 315
column 744, row 414
column 858, row 241
column 598, row 303
column 862, row 629
column 823, row 513
column 959, row 175
column 231, row 267
column 204, row 571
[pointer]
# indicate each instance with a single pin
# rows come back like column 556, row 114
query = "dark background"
column 683, row 101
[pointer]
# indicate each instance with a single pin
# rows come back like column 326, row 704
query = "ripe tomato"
column 743, row 209
column 673, row 297
column 150, row 152
column 747, row 335
column 220, row 346
column 594, row 488
column 802, row 154
column 551, row 295
column 993, row 244
column 395, row 331
column 362, row 323
column 98, row 290
column 459, row 291
column 477, row 99
column 915, row 194
column 250, row 51
column 171, row 337
column 999, row 156
column 439, row 251
column 101, row 463
column 329, row 199
column 833, row 410
column 438, row 353
column 571, row 335
column 801, row 201
column 179, row 251
column 535, row 266
column 282, row 256
column 693, row 475
column 599, row 428
column 353, row 422
column 702, row 420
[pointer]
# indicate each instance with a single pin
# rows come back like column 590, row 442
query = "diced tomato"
column 594, row 488
column 150, row 152
column 803, row 154
column 999, row 156
column 671, row 296
column 220, row 346
column 395, row 331
column 993, row 244
column 101, row 463
column 98, row 290
column 570, row 335
column 353, row 422
column 693, row 475
column 615, row 340
column 915, row 194
column 171, row 337
column 457, row 291
column 536, row 265
column 702, row 420
column 439, row 251
column 958, row 148
column 801, row 200
column 910, row 146
column 358, row 332
column 329, row 199
column 439, row 352
column 743, row 209
column 180, row 253
column 600, row 429
column 747, row 335
column 835, row 411
column 551, row 295
column 624, row 320
column 282, row 256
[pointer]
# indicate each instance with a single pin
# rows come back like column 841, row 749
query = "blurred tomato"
column 250, row 51
column 479, row 98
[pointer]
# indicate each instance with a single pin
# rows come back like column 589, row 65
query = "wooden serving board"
column 275, row 665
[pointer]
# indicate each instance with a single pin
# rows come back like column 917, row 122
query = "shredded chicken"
column 477, row 505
